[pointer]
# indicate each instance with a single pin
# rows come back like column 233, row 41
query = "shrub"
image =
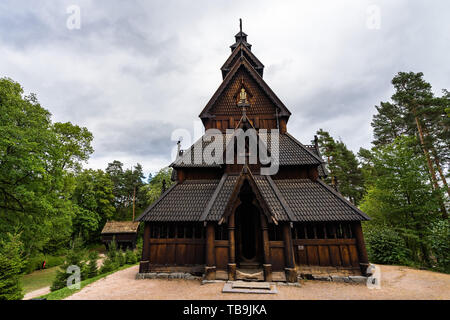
column 108, row 265
column 120, row 258
column 92, row 269
column 130, row 257
column 11, row 264
column 385, row 245
column 74, row 257
column 439, row 240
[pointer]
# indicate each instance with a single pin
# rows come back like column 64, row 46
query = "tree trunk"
column 429, row 163
column 441, row 173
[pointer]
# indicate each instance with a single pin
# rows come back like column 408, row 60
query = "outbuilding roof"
column 120, row 227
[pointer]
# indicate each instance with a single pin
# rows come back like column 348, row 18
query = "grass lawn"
column 38, row 279
column 65, row 292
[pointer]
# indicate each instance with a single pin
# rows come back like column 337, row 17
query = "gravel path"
column 396, row 283
column 36, row 293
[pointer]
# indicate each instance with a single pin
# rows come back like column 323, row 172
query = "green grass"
column 38, row 279
column 66, row 292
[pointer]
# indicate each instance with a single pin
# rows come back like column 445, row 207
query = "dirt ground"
column 396, row 283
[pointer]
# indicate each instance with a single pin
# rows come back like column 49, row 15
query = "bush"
column 385, row 245
column 120, row 258
column 130, row 257
column 92, row 269
column 439, row 240
column 74, row 257
column 108, row 265
column 11, row 264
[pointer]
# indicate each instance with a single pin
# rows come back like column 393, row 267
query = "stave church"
column 232, row 220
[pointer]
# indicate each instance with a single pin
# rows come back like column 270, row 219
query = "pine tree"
column 343, row 166
column 415, row 95
column 75, row 257
column 11, row 263
column 130, row 257
column 92, row 269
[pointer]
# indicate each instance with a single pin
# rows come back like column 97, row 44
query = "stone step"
column 250, row 274
column 250, row 285
column 237, row 287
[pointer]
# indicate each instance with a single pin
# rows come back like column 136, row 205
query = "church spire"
column 241, row 37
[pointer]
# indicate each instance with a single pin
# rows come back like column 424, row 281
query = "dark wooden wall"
column 331, row 244
column 177, row 244
column 177, row 252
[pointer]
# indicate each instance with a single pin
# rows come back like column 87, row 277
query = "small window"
column 189, row 231
column 320, row 231
column 198, row 231
column 180, row 231
column 221, row 232
column 274, row 232
column 331, row 234
column 171, row 234
column 310, row 231
column 163, row 231
column 154, row 231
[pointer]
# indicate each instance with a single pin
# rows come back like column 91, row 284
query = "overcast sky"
column 137, row 70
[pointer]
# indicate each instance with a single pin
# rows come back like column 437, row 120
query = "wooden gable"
column 265, row 110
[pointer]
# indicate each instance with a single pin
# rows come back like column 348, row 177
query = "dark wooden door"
column 248, row 237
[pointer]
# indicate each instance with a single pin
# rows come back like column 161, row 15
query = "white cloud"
column 138, row 69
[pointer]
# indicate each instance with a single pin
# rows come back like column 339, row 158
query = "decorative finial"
column 240, row 24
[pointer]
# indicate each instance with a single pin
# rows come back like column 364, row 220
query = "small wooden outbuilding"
column 123, row 232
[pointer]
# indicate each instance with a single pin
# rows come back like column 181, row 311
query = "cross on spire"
column 241, row 37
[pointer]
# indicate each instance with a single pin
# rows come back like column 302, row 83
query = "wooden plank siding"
column 326, row 252
column 173, row 252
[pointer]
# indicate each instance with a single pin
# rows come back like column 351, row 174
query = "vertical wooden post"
column 291, row 273
column 283, row 128
column 266, row 248
column 145, row 260
column 210, row 269
column 360, row 244
column 232, row 248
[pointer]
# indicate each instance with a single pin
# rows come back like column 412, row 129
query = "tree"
column 390, row 122
column 11, row 264
column 93, row 198
column 415, row 95
column 34, row 185
column 343, row 166
column 92, row 269
column 75, row 257
column 128, row 185
column 399, row 196
column 154, row 187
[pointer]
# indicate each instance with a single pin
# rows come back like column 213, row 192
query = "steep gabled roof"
column 242, row 62
column 241, row 49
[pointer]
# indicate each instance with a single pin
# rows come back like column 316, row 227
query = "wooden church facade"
column 228, row 220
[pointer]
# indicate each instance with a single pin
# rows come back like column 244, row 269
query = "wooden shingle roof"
column 120, row 227
column 315, row 201
column 182, row 202
column 291, row 152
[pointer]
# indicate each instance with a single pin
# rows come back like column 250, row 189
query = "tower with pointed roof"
column 228, row 220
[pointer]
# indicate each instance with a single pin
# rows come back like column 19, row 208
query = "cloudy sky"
column 137, row 70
